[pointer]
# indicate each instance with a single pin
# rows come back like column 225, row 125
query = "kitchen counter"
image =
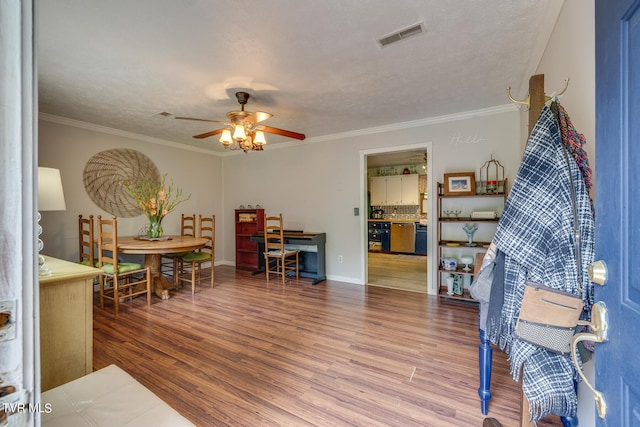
column 396, row 220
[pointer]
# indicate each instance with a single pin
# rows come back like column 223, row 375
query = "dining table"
column 152, row 249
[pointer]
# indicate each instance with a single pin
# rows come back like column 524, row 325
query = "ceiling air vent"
column 403, row 34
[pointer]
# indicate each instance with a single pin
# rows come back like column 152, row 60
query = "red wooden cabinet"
column 248, row 222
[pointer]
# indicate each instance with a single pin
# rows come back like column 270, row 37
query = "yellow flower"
column 155, row 199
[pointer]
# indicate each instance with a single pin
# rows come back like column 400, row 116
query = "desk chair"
column 277, row 259
column 86, row 242
column 170, row 261
column 192, row 266
column 119, row 280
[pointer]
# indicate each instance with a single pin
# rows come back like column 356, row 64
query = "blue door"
column 617, row 200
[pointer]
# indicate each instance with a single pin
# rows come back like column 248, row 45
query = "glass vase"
column 155, row 228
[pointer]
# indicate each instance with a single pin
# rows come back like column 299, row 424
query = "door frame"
column 364, row 230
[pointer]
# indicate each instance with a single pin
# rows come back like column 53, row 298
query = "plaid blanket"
column 535, row 234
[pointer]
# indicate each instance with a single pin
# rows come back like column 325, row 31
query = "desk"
column 311, row 247
column 153, row 250
column 66, row 322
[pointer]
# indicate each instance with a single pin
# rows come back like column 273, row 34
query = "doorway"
column 388, row 264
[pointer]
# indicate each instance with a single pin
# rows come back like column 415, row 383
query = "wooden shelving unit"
column 454, row 247
column 248, row 222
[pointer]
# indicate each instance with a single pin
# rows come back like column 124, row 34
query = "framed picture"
column 460, row 184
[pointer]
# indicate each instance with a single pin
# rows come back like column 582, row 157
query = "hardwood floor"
column 398, row 271
column 335, row 354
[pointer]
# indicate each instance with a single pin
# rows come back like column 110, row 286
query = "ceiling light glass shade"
column 225, row 138
column 238, row 133
column 259, row 138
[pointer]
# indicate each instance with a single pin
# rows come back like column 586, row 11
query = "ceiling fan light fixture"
column 239, row 133
column 225, row 138
column 259, row 139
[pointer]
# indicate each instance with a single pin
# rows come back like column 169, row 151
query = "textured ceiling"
column 315, row 65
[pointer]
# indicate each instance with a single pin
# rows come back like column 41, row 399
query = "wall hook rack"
column 527, row 100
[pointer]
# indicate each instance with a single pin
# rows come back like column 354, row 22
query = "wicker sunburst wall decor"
column 107, row 173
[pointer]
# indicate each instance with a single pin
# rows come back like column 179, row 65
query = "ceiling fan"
column 243, row 130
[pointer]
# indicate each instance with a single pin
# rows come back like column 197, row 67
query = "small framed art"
column 460, row 184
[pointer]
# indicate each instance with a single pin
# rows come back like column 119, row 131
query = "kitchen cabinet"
column 378, row 188
column 248, row 222
column 453, row 242
column 394, row 190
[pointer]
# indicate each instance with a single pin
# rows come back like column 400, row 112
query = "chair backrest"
column 273, row 233
column 108, row 241
column 188, row 225
column 207, row 229
column 86, row 241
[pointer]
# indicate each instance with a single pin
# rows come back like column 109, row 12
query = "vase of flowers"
column 156, row 200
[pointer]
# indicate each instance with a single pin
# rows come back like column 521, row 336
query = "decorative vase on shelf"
column 470, row 229
column 155, row 228
column 450, row 284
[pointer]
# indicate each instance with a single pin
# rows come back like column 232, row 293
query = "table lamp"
column 50, row 198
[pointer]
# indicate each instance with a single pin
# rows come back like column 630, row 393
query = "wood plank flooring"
column 398, row 271
column 335, row 354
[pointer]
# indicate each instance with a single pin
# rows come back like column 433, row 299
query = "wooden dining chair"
column 169, row 261
column 119, row 280
column 86, row 241
column 198, row 265
column 278, row 260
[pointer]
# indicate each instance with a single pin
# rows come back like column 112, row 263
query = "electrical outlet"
column 340, row 259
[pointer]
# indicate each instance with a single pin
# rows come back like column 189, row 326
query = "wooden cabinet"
column 248, row 222
column 453, row 242
column 394, row 190
column 66, row 322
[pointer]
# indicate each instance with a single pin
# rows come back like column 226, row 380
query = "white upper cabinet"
column 394, row 190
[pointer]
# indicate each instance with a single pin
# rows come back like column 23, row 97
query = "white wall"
column 68, row 148
column 571, row 53
column 316, row 185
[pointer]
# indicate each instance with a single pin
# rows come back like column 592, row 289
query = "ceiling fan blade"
column 258, row 117
column 208, row 134
column 287, row 133
column 200, row 120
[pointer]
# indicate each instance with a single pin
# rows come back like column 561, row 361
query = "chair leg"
column 148, row 287
column 102, row 279
column 193, row 278
column 283, row 270
column 212, row 271
column 116, row 298
column 267, row 265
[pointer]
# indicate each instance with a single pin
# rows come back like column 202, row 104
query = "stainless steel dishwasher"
column 403, row 237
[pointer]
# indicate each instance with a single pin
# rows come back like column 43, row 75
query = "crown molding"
column 500, row 109
column 117, row 132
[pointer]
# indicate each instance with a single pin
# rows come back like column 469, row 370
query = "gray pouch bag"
column 480, row 288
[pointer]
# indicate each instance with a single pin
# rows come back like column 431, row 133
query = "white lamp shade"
column 259, row 138
column 225, row 138
column 238, row 133
column 50, row 194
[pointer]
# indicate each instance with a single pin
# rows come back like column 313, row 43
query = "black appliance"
column 379, row 236
column 421, row 239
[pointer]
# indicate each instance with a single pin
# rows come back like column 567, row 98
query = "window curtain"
column 19, row 358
